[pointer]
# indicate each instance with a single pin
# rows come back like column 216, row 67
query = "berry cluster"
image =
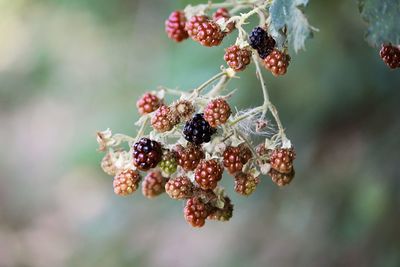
column 192, row 168
column 211, row 32
column 195, row 138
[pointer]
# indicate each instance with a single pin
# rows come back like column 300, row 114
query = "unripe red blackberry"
column 153, row 184
column 390, row 55
column 148, row 103
column 163, row 119
column 206, row 32
column 234, row 158
column 198, row 130
column 237, row 58
column 175, row 26
column 179, row 188
column 184, row 109
column 281, row 159
column 217, row 112
column 245, row 153
column 208, row 173
column 194, row 22
column 196, row 212
column 224, row 13
column 281, row 179
column 147, row 154
column 126, row 182
column 169, row 162
column 245, row 183
column 277, row 62
column 224, row 214
column 189, row 157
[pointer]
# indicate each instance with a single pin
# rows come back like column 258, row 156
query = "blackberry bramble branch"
column 183, row 148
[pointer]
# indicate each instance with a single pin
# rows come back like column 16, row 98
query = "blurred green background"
column 71, row 67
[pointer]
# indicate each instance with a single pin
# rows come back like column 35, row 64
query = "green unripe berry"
column 168, row 163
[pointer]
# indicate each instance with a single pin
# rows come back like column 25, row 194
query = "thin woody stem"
column 142, row 128
column 232, row 4
column 219, row 86
column 267, row 103
column 208, row 82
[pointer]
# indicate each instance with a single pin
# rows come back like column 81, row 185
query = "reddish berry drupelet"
column 234, row 158
column 246, row 183
column 208, row 173
column 196, row 212
column 148, row 103
column 175, row 26
column 163, row 119
column 281, row 179
column 217, row 112
column 205, row 31
column 153, row 184
column 189, row 157
column 237, row 58
column 223, row 13
column 179, row 188
column 126, row 182
column 193, row 24
column 281, row 159
column 390, row 55
column 277, row 62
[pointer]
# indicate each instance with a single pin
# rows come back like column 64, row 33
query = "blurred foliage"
column 70, row 68
column 382, row 17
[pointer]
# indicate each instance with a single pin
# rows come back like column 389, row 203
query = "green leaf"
column 383, row 18
column 287, row 13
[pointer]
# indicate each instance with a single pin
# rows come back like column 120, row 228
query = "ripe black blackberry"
column 147, row 154
column 257, row 37
column 262, row 42
column 267, row 48
column 390, row 55
column 198, row 130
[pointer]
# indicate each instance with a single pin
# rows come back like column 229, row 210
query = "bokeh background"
column 71, row 67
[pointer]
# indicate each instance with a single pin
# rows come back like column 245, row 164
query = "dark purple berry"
column 146, row 154
column 198, row 130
